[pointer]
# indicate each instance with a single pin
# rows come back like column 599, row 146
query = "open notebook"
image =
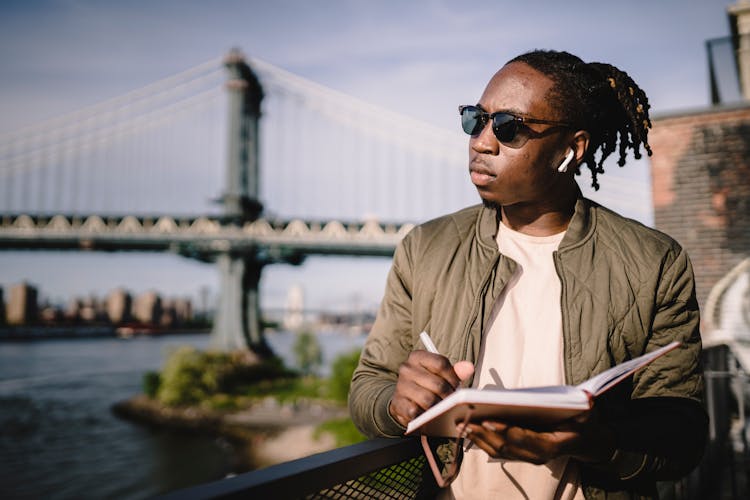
column 533, row 406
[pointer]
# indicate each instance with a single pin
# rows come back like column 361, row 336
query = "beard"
column 492, row 205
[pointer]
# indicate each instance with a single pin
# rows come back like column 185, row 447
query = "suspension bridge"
column 238, row 162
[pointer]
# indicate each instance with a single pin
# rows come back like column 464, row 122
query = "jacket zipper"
column 477, row 302
column 564, row 314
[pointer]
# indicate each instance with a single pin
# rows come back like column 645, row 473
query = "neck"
column 541, row 218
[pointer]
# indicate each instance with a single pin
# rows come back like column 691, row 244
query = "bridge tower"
column 237, row 324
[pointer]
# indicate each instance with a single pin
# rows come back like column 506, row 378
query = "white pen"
column 427, row 341
column 430, row 346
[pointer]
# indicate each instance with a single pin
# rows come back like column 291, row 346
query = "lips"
column 480, row 174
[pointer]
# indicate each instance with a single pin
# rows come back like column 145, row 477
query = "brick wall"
column 701, row 187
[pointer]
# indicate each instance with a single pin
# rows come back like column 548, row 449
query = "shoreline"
column 265, row 434
column 72, row 332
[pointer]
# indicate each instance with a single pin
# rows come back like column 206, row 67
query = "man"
column 540, row 286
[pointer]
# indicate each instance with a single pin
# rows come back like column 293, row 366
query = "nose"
column 485, row 142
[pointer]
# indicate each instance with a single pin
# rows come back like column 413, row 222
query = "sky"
column 420, row 57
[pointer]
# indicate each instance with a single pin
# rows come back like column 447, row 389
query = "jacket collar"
column 579, row 230
column 582, row 224
column 487, row 226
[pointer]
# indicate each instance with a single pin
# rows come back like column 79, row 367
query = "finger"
column 489, row 441
column 522, row 455
column 537, row 447
column 399, row 410
column 511, row 443
column 436, row 364
column 464, row 369
column 404, row 410
column 417, row 388
column 409, row 401
column 416, row 378
column 423, row 397
column 494, row 439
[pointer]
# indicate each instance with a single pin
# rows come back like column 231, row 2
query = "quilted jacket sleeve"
column 661, row 432
column 388, row 345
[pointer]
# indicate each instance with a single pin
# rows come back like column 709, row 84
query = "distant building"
column 183, row 309
column 295, row 306
column 119, row 306
column 86, row 312
column 176, row 312
column 168, row 317
column 49, row 313
column 147, row 308
column 22, row 306
column 72, row 310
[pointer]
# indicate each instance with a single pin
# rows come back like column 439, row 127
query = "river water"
column 59, row 438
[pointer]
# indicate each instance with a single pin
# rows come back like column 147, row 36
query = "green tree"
column 341, row 374
column 307, row 352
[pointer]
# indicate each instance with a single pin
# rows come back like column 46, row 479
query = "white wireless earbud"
column 568, row 158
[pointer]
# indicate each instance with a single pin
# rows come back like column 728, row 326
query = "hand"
column 584, row 438
column 423, row 380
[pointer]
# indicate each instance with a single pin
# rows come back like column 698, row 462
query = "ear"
column 580, row 145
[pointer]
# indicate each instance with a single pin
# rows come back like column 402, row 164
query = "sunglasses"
column 510, row 129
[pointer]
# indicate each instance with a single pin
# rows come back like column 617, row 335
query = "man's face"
column 509, row 175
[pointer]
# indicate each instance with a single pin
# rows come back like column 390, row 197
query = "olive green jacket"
column 626, row 289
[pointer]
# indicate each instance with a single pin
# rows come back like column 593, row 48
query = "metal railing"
column 395, row 469
column 379, row 468
column 724, row 468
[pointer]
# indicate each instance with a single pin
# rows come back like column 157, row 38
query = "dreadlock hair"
column 598, row 98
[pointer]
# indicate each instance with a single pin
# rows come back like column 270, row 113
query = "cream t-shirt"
column 521, row 347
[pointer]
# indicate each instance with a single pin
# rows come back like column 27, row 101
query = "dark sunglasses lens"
column 471, row 120
column 505, row 127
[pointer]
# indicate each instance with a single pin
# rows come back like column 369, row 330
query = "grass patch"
column 286, row 389
column 343, row 431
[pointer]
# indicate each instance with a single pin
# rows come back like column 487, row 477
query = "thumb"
column 464, row 369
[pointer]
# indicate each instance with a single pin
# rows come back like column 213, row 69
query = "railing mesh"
column 398, row 482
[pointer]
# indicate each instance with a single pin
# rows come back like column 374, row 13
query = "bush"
column 185, row 379
column 151, row 383
column 341, row 375
column 191, row 376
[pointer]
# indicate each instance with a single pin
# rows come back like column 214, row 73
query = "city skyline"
column 22, row 305
column 421, row 58
column 203, row 301
column 26, row 313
